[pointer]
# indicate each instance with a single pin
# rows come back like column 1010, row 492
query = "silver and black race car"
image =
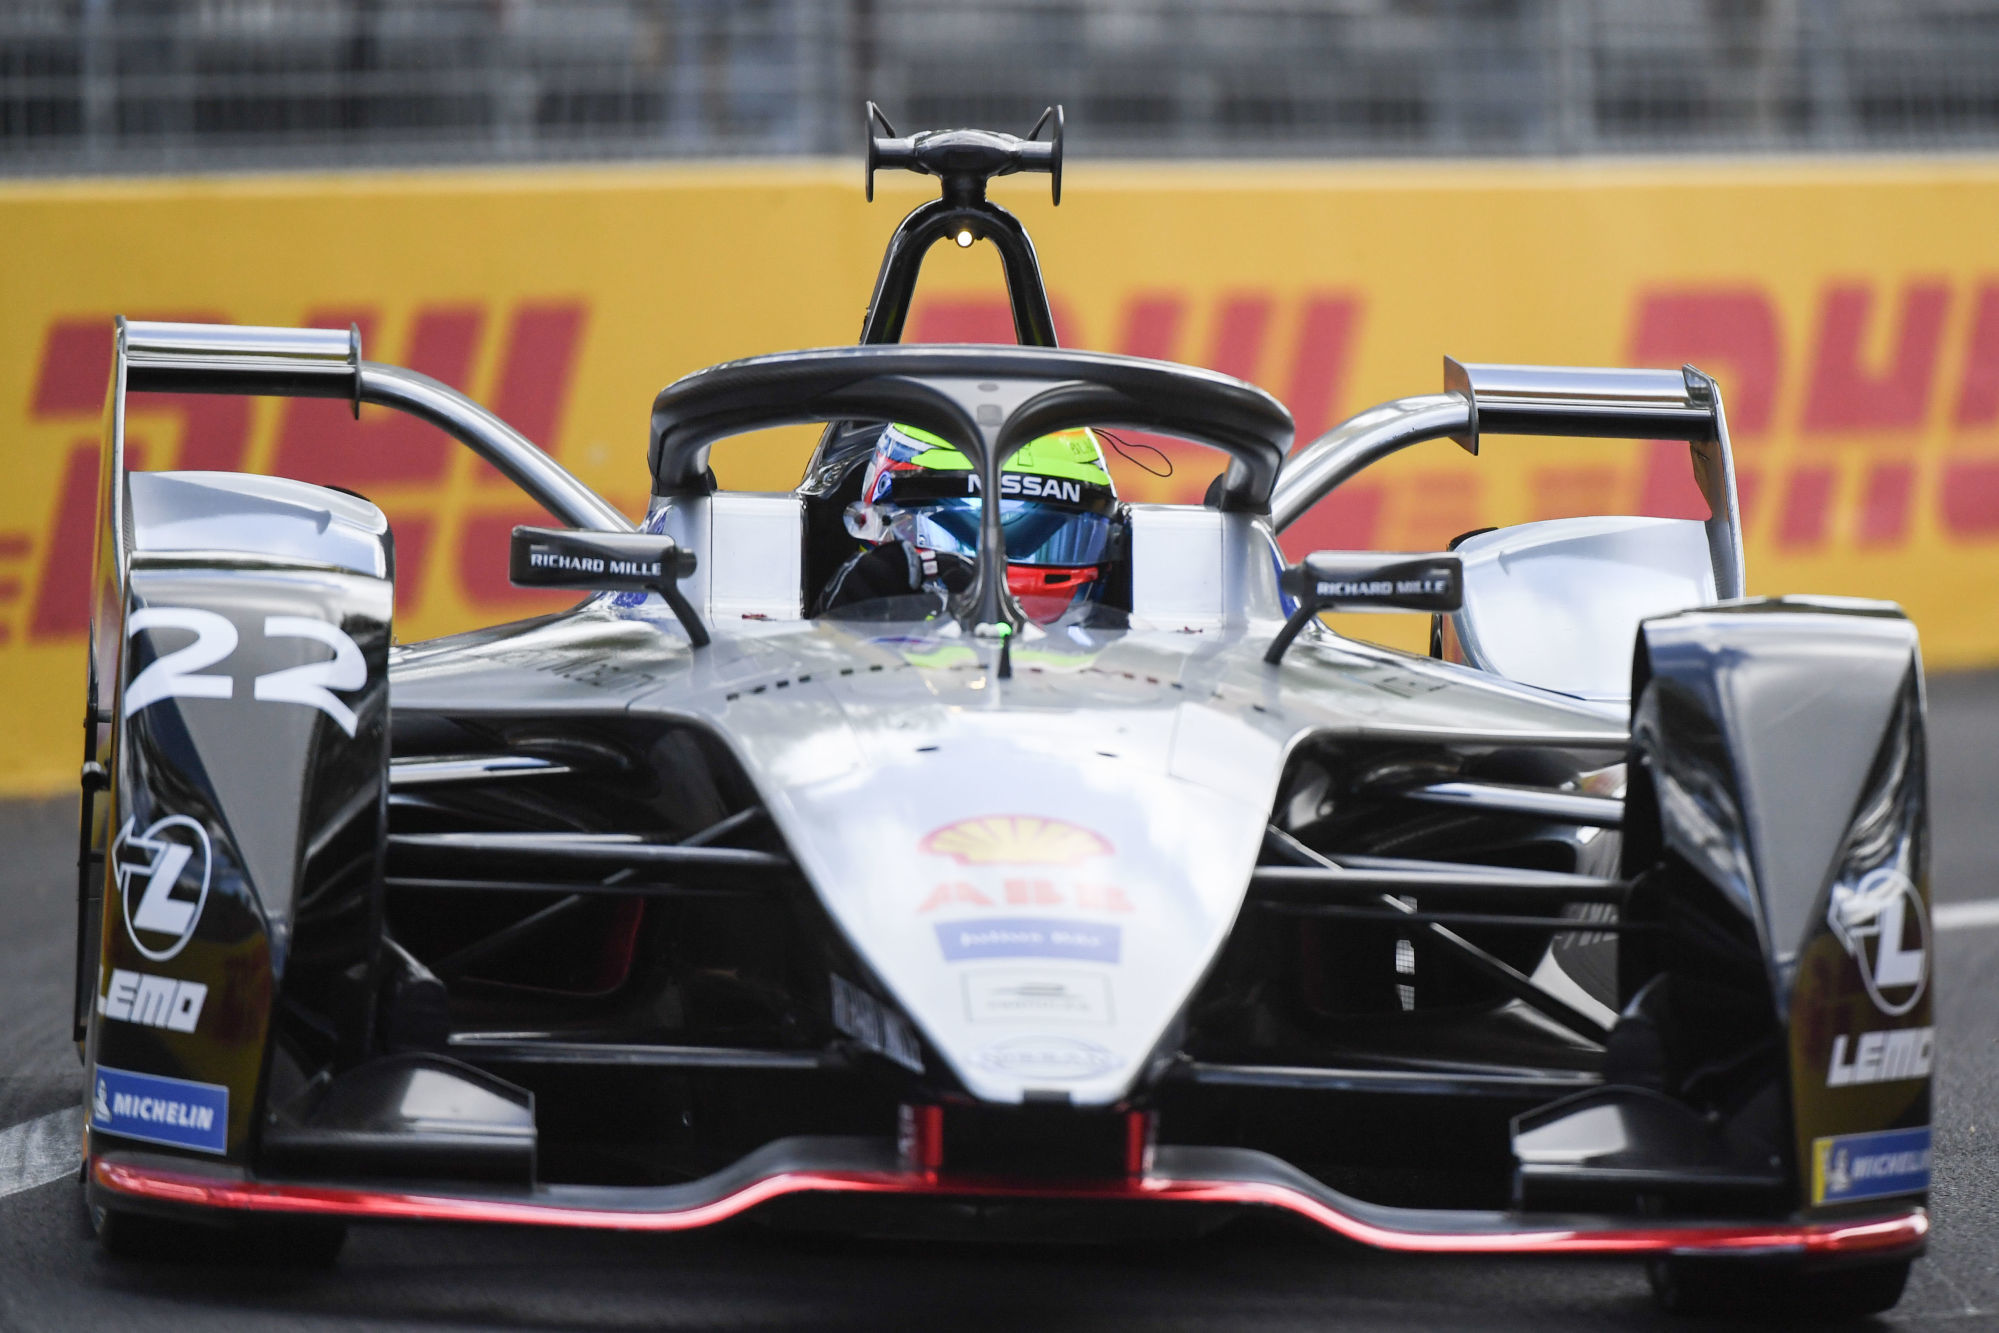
column 1602, row 929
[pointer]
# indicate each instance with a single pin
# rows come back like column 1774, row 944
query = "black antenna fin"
column 873, row 119
column 1053, row 113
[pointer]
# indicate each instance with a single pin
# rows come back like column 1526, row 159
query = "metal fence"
column 98, row 85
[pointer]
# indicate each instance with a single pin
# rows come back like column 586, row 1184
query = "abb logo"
column 1028, row 893
column 399, row 462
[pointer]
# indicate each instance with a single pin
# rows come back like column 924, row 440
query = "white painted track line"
column 1966, row 916
column 43, row 1149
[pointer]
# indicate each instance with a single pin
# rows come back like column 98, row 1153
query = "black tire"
column 284, row 1242
column 1704, row 1286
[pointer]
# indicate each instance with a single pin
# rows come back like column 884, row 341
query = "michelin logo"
column 154, row 1002
column 1881, row 1057
column 154, row 1109
column 1870, row 1166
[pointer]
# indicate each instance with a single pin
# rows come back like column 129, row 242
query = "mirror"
column 1367, row 581
column 606, row 562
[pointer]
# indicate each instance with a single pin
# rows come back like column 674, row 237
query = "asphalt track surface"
column 1252, row 1277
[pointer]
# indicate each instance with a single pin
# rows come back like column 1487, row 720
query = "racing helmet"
column 1057, row 507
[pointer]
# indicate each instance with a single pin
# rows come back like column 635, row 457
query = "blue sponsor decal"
column 1028, row 937
column 172, row 1111
column 1870, row 1166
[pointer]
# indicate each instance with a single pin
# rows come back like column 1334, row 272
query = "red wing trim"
column 1900, row 1231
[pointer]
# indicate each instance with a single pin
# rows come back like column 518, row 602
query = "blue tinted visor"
column 1036, row 533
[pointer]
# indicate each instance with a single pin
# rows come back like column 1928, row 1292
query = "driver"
column 918, row 517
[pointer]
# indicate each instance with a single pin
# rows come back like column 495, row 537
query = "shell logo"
column 1024, row 840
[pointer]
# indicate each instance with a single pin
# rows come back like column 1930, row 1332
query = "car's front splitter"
column 1227, row 1177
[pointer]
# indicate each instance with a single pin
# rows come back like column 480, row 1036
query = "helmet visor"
column 1036, row 533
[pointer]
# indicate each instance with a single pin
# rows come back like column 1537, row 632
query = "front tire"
column 285, row 1242
column 1689, row 1285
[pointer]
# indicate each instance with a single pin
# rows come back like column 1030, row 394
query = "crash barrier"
column 1849, row 310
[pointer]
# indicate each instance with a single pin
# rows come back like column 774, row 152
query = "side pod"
column 1778, row 831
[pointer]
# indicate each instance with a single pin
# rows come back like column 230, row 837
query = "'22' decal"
column 183, row 674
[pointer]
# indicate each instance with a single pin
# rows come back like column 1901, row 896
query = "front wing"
column 1233, row 1178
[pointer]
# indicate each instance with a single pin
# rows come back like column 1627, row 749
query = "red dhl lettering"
column 1734, row 331
column 1873, row 378
column 316, row 440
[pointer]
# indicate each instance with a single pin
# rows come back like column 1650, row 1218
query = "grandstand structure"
column 165, row 85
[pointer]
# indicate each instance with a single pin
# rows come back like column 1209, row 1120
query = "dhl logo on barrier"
column 1850, row 313
column 400, row 462
column 1734, row 332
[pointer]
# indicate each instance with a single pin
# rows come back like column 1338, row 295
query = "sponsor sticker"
column 1029, row 483
column 1037, row 997
column 162, row 883
column 1089, row 897
column 1881, row 923
column 1881, row 1057
column 1029, row 937
column 549, row 557
column 1870, row 1166
column 1345, row 589
column 154, row 1002
column 872, row 1024
column 173, row 1111
column 1015, row 840
column 1039, row 1057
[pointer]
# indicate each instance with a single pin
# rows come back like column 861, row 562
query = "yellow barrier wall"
column 1849, row 310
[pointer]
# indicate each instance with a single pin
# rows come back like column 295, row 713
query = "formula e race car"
column 946, row 847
